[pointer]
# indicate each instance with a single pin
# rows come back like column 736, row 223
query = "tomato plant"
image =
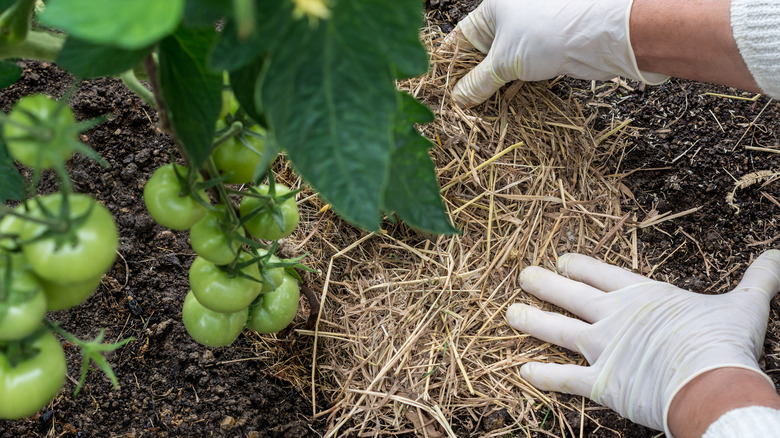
column 222, row 289
column 169, row 202
column 210, row 328
column 348, row 133
column 270, row 217
column 29, row 382
column 76, row 251
column 275, row 310
column 212, row 239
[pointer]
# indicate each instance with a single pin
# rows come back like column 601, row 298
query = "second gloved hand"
column 534, row 40
column 644, row 339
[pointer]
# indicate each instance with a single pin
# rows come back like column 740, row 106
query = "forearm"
column 704, row 399
column 688, row 39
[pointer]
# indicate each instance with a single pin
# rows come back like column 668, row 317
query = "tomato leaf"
column 413, row 190
column 9, row 73
column 191, row 91
column 204, row 13
column 231, row 53
column 340, row 73
column 127, row 24
column 11, row 182
column 5, row 4
column 78, row 57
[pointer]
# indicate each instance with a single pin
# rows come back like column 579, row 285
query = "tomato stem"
column 131, row 81
column 235, row 128
column 41, row 45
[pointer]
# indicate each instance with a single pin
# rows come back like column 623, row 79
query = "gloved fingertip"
column 516, row 315
column 529, row 277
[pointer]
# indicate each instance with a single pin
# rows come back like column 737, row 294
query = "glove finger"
column 555, row 328
column 456, row 39
column 478, row 28
column 566, row 378
column 763, row 274
column 478, row 84
column 579, row 298
column 596, row 273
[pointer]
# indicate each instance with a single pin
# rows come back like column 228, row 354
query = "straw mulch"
column 411, row 336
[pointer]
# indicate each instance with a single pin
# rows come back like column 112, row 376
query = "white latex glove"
column 644, row 340
column 534, row 40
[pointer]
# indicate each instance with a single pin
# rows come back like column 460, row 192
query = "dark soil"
column 688, row 152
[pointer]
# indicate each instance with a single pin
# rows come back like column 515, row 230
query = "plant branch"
column 131, row 81
column 40, row 45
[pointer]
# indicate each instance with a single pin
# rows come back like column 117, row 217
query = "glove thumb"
column 566, row 378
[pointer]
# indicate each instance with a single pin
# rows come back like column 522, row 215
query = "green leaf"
column 230, row 53
column 9, row 73
column 90, row 60
column 330, row 99
column 5, row 4
column 243, row 82
column 413, row 192
column 204, row 13
column 191, row 91
column 11, row 182
column 129, row 24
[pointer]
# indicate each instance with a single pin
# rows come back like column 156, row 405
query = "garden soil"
column 692, row 145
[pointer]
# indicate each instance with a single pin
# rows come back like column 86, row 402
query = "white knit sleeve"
column 750, row 422
column 756, row 28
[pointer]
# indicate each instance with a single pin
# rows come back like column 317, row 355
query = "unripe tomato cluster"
column 54, row 250
column 234, row 282
column 41, row 269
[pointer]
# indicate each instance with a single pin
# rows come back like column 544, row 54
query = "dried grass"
column 411, row 336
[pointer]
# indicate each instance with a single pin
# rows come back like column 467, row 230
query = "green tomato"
column 210, row 328
column 37, row 111
column 10, row 225
column 220, row 291
column 162, row 196
column 65, row 296
column 31, row 384
column 210, row 242
column 83, row 253
column 239, row 156
column 24, row 307
column 263, row 225
column 276, row 309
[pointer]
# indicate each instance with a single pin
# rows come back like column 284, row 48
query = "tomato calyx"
column 60, row 226
column 231, row 130
column 18, row 351
column 91, row 351
column 269, row 203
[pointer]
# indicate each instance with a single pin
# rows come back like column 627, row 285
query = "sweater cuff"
column 752, row 421
column 756, row 28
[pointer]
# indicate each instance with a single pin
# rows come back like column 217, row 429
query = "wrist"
column 688, row 39
column 708, row 396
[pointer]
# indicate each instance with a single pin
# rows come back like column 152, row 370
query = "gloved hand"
column 534, row 40
column 644, row 340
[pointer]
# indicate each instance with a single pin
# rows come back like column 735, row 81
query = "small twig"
column 314, row 305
